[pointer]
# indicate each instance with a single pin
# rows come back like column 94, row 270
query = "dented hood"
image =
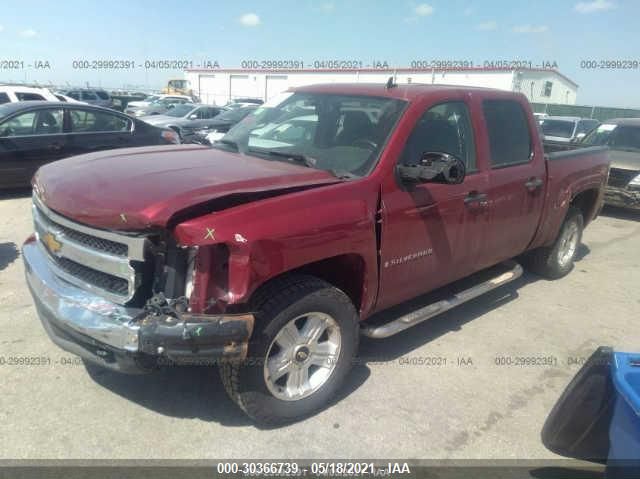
column 139, row 188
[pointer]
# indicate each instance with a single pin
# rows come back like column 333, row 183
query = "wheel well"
column 175, row 128
column 345, row 272
column 586, row 202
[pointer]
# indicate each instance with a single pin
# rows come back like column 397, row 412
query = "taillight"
column 171, row 136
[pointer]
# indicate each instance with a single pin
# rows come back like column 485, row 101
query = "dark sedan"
column 37, row 132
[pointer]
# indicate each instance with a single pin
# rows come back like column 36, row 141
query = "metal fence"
column 601, row 113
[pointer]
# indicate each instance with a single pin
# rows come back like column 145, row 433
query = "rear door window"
column 87, row 121
column 206, row 112
column 88, row 95
column 509, row 137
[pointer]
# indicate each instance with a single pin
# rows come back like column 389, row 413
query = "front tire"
column 303, row 347
column 557, row 260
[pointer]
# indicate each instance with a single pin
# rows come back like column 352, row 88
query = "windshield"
column 236, row 114
column 180, row 110
column 561, row 128
column 339, row 133
column 615, row 136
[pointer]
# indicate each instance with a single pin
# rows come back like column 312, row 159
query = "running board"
column 427, row 312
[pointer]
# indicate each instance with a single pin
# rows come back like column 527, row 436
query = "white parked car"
column 141, row 104
column 68, row 99
column 566, row 129
column 15, row 93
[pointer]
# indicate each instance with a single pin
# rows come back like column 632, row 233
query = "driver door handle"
column 55, row 146
column 475, row 198
column 533, row 184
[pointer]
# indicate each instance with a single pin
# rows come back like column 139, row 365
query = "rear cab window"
column 558, row 128
column 510, row 140
column 585, row 126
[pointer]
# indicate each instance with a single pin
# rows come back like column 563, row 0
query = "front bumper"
column 622, row 197
column 127, row 339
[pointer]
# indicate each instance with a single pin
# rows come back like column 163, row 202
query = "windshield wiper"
column 297, row 157
column 224, row 141
column 306, row 161
column 343, row 174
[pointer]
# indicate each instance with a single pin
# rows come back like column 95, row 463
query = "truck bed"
column 569, row 173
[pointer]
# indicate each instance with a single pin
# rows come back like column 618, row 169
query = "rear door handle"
column 55, row 146
column 474, row 198
column 533, row 184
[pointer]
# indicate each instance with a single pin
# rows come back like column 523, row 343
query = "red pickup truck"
column 269, row 252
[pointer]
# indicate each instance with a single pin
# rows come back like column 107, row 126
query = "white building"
column 219, row 86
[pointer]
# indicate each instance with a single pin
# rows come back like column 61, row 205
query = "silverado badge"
column 52, row 244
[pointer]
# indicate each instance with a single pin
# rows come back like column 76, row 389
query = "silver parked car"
column 185, row 119
column 622, row 136
column 157, row 106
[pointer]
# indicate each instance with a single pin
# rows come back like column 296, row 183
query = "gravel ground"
column 459, row 403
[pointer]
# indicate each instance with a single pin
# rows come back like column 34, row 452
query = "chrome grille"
column 100, row 244
column 96, row 260
column 620, row 178
column 102, row 280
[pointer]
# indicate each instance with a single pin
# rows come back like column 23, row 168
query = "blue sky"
column 564, row 31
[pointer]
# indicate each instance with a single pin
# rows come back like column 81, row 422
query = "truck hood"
column 625, row 160
column 134, row 189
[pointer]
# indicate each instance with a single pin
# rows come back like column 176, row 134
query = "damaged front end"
column 171, row 332
column 130, row 302
column 623, row 197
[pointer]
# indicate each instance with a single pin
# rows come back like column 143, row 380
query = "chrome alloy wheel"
column 302, row 356
column 568, row 244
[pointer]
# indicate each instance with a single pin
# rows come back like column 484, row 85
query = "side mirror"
column 578, row 425
column 193, row 117
column 434, row 167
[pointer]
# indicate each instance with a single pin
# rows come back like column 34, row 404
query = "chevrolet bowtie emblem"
column 52, row 244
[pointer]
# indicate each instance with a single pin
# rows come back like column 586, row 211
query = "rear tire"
column 302, row 324
column 557, row 260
